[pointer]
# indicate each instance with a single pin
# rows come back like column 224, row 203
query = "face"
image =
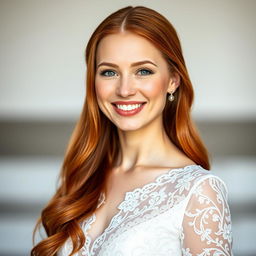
column 132, row 81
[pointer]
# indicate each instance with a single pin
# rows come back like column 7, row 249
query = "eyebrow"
column 132, row 65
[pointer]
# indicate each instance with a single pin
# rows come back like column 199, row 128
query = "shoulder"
column 203, row 188
column 206, row 219
column 198, row 174
column 192, row 177
column 202, row 191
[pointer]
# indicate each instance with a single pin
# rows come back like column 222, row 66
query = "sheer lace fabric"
column 182, row 212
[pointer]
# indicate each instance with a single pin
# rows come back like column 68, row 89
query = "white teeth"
column 128, row 107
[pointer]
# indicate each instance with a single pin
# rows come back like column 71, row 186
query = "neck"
column 148, row 146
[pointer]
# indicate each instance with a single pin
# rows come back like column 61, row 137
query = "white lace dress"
column 182, row 212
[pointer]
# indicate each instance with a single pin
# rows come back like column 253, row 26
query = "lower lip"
column 128, row 112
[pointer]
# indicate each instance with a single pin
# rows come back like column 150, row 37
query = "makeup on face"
column 128, row 108
column 132, row 80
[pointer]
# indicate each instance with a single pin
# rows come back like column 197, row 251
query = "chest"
column 159, row 235
column 151, row 213
column 117, row 188
column 129, row 234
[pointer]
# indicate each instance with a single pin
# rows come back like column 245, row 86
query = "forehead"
column 127, row 46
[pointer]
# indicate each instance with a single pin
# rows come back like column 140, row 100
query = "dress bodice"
column 182, row 212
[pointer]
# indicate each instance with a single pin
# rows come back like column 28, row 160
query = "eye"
column 108, row 73
column 144, row 72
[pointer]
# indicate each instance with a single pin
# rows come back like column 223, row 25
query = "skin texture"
column 146, row 82
column 150, row 83
column 146, row 151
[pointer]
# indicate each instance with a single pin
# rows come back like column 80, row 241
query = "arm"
column 207, row 221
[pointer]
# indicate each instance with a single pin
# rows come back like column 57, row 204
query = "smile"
column 128, row 108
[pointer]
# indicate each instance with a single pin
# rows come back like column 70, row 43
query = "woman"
column 134, row 180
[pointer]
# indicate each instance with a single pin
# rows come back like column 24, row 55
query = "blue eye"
column 108, row 73
column 145, row 72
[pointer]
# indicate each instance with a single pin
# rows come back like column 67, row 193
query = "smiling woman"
column 131, row 69
column 135, row 177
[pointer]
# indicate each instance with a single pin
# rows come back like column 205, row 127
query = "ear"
column 174, row 82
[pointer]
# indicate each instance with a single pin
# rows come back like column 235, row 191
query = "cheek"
column 156, row 88
column 102, row 89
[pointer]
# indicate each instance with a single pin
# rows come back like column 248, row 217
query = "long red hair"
column 94, row 145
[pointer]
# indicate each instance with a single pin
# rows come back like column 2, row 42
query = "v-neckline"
column 92, row 219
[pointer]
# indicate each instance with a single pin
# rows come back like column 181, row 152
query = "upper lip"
column 127, row 102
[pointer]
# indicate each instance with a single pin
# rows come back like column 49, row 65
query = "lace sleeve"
column 206, row 227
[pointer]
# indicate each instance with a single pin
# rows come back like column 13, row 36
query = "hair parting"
column 94, row 144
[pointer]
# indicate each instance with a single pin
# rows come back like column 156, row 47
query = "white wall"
column 42, row 46
column 42, row 74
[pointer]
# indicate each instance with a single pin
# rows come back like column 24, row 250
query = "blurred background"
column 42, row 73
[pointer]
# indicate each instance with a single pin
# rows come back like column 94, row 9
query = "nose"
column 126, row 87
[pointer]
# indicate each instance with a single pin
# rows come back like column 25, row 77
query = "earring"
column 171, row 97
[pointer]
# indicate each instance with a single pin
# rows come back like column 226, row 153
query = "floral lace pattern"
column 182, row 212
column 207, row 221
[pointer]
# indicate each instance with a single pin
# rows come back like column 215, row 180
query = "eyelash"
column 149, row 72
column 103, row 73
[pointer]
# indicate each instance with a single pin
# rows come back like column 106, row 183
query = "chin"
column 128, row 127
